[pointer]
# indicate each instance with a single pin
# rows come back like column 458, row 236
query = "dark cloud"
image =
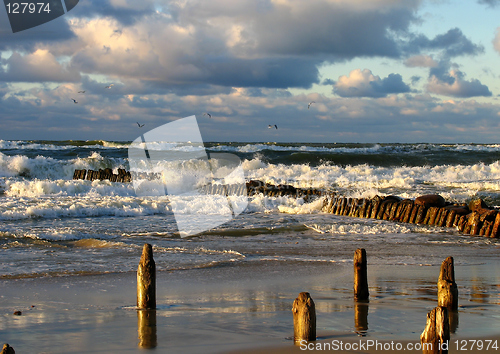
column 269, row 72
column 327, row 82
column 365, row 84
column 4, row 89
column 452, row 43
column 190, row 89
column 391, row 84
column 491, row 3
column 415, row 79
column 446, row 79
column 127, row 13
column 51, row 32
column 332, row 30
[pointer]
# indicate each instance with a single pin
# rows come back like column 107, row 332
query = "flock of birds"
column 106, row 87
column 274, row 126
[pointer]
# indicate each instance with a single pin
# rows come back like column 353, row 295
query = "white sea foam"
column 65, row 188
column 455, row 181
column 42, row 167
column 52, row 198
column 364, row 229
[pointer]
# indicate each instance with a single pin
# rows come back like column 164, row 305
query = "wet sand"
column 243, row 309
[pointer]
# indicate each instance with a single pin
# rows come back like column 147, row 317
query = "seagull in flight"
column 207, row 114
column 310, row 103
column 81, row 91
column 109, row 86
column 272, row 126
column 75, row 101
column 140, row 125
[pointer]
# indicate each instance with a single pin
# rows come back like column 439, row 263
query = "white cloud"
column 423, row 61
column 496, row 41
column 39, row 66
column 362, row 83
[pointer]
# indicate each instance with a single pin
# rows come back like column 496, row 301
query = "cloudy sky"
column 377, row 70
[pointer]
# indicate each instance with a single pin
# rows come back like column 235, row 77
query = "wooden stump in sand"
column 447, row 288
column 146, row 279
column 436, row 335
column 7, row 349
column 360, row 276
column 304, row 318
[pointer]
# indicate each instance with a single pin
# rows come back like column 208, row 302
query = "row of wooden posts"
column 437, row 329
column 474, row 218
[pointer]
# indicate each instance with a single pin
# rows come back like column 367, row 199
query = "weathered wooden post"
column 447, row 288
column 360, row 276
column 7, row 349
column 146, row 279
column 436, row 335
column 304, row 318
column 146, row 325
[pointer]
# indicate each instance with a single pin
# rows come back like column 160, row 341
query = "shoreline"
column 226, row 309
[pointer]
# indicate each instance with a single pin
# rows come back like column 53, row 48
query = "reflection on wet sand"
column 453, row 317
column 361, row 318
column 146, row 324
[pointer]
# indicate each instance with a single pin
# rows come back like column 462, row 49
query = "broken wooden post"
column 7, row 349
column 360, row 276
column 146, row 325
column 447, row 288
column 436, row 335
column 146, row 279
column 304, row 318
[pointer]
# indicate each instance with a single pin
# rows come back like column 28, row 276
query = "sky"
column 378, row 71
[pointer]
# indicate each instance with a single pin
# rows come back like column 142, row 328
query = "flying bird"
column 272, row 126
column 81, row 91
column 109, row 86
column 75, row 101
column 207, row 114
column 310, row 103
column 140, row 125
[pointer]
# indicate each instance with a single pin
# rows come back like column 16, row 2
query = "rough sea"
column 52, row 225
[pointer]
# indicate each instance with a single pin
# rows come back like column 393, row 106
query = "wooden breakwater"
column 474, row 218
column 103, row 174
column 252, row 187
column 280, row 190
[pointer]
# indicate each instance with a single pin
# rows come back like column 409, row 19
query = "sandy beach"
column 229, row 309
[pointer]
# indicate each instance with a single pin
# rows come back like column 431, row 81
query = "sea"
column 54, row 226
